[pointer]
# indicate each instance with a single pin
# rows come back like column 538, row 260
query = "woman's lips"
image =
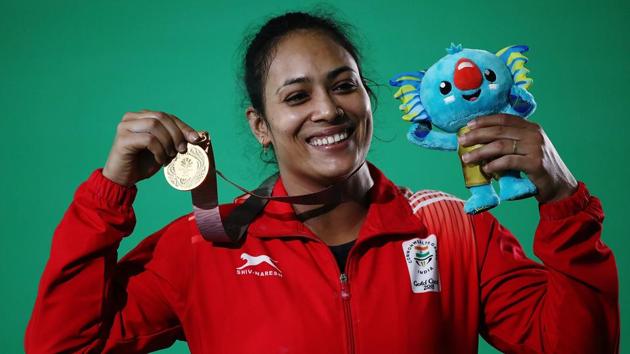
column 330, row 138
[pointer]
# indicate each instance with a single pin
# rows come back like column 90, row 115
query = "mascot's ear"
column 513, row 57
column 409, row 86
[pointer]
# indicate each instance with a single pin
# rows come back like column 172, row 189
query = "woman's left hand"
column 513, row 143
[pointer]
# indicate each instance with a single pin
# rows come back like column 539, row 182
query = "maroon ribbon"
column 233, row 228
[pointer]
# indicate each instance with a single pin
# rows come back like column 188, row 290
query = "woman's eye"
column 296, row 98
column 345, row 86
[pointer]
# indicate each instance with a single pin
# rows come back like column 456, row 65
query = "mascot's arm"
column 521, row 102
column 421, row 134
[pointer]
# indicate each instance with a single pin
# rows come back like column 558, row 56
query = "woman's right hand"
column 144, row 142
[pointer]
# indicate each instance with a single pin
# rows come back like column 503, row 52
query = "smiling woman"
column 314, row 94
column 387, row 271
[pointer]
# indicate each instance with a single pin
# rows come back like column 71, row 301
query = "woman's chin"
column 335, row 169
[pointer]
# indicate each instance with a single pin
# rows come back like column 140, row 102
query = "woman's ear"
column 258, row 126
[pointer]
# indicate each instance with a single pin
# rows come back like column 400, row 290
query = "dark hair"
column 261, row 47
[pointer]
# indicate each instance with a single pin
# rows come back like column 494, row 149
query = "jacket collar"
column 389, row 213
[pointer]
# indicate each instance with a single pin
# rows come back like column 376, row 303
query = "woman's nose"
column 325, row 108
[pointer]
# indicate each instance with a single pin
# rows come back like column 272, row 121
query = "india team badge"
column 421, row 257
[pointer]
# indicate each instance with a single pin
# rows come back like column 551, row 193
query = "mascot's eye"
column 445, row 87
column 490, row 75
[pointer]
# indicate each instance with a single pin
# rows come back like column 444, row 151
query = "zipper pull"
column 345, row 290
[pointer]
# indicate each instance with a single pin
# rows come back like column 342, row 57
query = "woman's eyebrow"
column 331, row 75
column 294, row 80
column 334, row 73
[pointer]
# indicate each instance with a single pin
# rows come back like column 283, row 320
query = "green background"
column 69, row 70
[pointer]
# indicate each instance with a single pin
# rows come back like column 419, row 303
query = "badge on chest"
column 421, row 258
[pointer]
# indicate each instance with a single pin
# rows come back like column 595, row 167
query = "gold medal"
column 186, row 171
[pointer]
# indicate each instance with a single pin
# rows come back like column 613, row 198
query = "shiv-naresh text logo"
column 252, row 266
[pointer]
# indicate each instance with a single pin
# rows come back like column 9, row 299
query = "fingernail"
column 182, row 147
column 471, row 123
column 465, row 157
column 194, row 136
column 461, row 139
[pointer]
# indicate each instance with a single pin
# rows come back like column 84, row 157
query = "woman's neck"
column 338, row 223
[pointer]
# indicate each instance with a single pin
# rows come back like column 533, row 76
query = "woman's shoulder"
column 441, row 212
column 427, row 197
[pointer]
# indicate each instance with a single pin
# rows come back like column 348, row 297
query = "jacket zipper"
column 345, row 298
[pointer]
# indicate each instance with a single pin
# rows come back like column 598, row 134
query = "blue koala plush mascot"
column 463, row 85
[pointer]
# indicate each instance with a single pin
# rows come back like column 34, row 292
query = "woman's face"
column 318, row 111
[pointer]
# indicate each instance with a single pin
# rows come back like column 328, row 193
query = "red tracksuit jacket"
column 422, row 277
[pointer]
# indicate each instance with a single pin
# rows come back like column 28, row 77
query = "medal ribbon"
column 234, row 227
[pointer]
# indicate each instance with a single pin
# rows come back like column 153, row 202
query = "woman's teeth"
column 329, row 140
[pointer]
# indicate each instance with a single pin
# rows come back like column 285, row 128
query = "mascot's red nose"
column 467, row 75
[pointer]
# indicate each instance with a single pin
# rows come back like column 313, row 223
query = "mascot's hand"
column 513, row 143
column 521, row 102
column 421, row 134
